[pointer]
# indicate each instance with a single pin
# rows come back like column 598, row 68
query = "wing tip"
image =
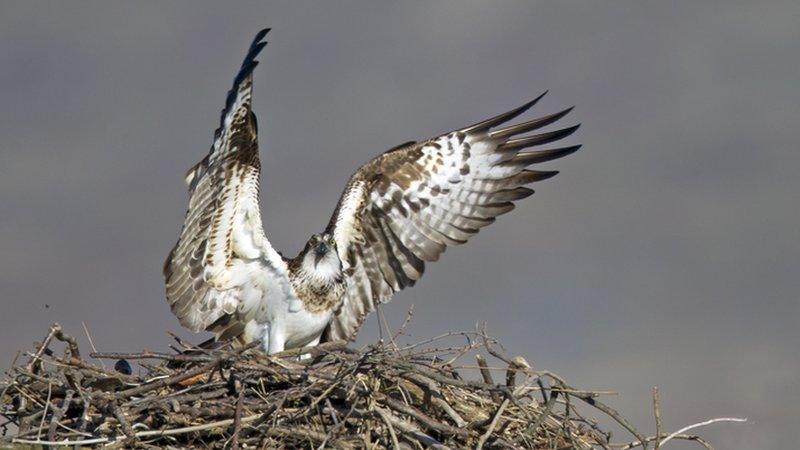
column 246, row 69
column 528, row 176
column 530, row 125
column 250, row 61
column 261, row 34
column 505, row 117
column 538, row 139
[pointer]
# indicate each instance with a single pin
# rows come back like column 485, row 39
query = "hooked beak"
column 319, row 252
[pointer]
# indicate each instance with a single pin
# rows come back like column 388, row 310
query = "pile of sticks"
column 330, row 396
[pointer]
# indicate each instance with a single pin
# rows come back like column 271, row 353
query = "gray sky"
column 665, row 253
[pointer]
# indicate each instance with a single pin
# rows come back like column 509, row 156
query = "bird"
column 398, row 212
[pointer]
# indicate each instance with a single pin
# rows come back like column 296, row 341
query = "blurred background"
column 665, row 254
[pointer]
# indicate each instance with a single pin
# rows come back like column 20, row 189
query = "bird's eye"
column 331, row 242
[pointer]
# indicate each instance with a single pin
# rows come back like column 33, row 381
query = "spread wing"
column 405, row 207
column 215, row 273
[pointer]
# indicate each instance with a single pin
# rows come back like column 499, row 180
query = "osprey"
column 397, row 212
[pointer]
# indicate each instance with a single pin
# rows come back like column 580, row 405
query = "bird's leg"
column 277, row 341
column 272, row 339
column 265, row 334
column 315, row 342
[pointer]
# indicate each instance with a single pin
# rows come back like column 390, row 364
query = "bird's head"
column 320, row 261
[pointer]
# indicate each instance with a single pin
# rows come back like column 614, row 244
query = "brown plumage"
column 419, row 198
column 398, row 211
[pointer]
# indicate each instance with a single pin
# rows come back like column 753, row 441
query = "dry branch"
column 330, row 396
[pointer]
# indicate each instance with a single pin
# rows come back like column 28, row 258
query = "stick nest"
column 424, row 395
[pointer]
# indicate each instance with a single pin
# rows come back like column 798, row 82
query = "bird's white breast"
column 285, row 322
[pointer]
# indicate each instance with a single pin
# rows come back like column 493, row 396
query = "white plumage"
column 398, row 211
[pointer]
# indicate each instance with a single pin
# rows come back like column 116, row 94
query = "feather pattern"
column 406, row 206
column 221, row 266
column 398, row 212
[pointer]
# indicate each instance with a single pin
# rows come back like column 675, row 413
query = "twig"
column 46, row 405
column 42, row 347
column 65, row 442
column 438, row 338
column 548, row 407
column 702, row 424
column 191, row 429
column 384, row 415
column 517, row 364
column 492, row 425
column 337, row 423
column 237, row 421
column 100, row 370
column 657, row 414
column 382, row 318
column 123, row 421
column 685, row 437
column 409, row 316
column 71, row 342
column 58, row 413
column 91, row 342
column 487, row 376
column 175, row 379
column 611, row 412
column 152, row 355
column 312, row 350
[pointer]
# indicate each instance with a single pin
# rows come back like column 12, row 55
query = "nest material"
column 330, row 396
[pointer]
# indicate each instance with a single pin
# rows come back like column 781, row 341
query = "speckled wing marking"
column 406, row 206
column 215, row 273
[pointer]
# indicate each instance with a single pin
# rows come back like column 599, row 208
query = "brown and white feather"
column 398, row 212
column 214, row 274
column 406, row 206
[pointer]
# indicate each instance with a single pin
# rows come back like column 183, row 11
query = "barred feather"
column 406, row 206
column 222, row 263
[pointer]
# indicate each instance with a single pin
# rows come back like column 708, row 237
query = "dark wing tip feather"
column 528, row 158
column 247, row 67
column 512, row 195
column 538, row 139
column 260, row 35
column 531, row 125
column 502, row 118
column 532, row 176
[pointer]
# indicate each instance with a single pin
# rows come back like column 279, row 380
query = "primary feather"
column 405, row 207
